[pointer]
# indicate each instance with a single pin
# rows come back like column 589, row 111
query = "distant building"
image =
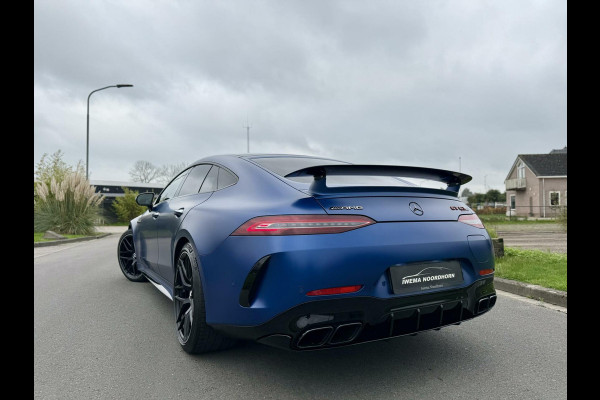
column 536, row 185
column 113, row 189
column 559, row 151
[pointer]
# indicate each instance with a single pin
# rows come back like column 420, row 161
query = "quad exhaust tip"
column 345, row 333
column 483, row 304
column 315, row 337
column 318, row 337
column 486, row 303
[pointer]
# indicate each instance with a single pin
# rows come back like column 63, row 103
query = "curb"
column 64, row 241
column 552, row 296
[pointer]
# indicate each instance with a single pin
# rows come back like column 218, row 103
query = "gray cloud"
column 416, row 83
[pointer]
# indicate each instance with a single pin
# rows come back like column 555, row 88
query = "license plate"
column 417, row 277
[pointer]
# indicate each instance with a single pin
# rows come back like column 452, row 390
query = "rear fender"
column 184, row 235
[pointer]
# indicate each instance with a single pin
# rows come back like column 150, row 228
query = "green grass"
column 533, row 266
column 37, row 237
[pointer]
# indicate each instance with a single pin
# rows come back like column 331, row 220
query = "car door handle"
column 178, row 212
column 155, row 214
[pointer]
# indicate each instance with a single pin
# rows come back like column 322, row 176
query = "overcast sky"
column 389, row 82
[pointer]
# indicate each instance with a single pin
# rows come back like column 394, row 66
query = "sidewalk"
column 111, row 229
column 102, row 230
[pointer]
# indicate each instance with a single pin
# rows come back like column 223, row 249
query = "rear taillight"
column 278, row 225
column 471, row 219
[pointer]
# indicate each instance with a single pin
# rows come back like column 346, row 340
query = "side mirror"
column 145, row 199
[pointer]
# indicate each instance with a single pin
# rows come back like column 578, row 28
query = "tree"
column 476, row 198
column 53, row 166
column 168, row 171
column 466, row 193
column 143, row 171
column 493, row 196
column 126, row 208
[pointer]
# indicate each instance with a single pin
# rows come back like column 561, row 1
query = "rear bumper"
column 300, row 264
column 347, row 321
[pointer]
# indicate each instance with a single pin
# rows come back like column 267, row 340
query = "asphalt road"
column 99, row 336
column 546, row 236
column 555, row 242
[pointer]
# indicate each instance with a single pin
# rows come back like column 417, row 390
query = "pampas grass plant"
column 69, row 206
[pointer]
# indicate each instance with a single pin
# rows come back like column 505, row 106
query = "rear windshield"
column 285, row 165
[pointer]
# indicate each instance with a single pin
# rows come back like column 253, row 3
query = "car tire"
column 127, row 258
column 193, row 333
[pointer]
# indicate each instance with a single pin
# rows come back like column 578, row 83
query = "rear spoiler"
column 320, row 173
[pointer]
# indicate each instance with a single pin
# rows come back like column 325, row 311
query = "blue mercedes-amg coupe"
column 307, row 253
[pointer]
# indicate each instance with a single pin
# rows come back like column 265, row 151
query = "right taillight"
column 281, row 225
column 471, row 219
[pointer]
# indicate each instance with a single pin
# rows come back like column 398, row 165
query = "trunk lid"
column 397, row 208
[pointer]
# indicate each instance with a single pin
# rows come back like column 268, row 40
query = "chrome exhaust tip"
column 315, row 337
column 483, row 305
column 345, row 333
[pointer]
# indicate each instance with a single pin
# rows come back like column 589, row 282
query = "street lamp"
column 87, row 143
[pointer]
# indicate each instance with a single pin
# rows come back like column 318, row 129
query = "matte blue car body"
column 301, row 263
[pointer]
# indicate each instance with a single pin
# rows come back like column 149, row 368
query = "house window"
column 512, row 201
column 521, row 170
column 555, row 198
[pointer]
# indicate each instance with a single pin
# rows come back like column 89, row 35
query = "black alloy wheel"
column 183, row 297
column 193, row 333
column 127, row 258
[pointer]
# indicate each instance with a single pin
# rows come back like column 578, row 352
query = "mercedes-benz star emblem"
column 415, row 208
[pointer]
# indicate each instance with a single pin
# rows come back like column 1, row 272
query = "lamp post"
column 247, row 137
column 87, row 143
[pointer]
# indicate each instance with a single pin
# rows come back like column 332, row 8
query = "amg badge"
column 346, row 208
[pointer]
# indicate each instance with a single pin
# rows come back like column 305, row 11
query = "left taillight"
column 471, row 219
column 280, row 225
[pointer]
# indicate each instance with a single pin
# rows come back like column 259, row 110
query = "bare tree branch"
column 168, row 171
column 143, row 171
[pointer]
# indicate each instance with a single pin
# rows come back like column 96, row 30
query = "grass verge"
column 492, row 232
column 533, row 266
